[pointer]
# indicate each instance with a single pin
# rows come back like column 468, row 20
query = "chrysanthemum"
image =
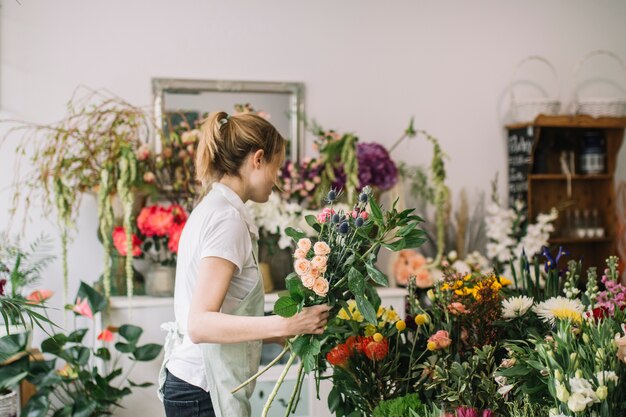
column 516, row 306
column 559, row 308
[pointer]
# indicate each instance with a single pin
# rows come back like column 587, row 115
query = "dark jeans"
column 181, row 399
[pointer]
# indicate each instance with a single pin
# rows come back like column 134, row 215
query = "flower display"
column 559, row 308
column 514, row 307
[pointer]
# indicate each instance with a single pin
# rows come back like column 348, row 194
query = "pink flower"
column 106, row 335
column 299, row 254
column 39, row 296
column 487, row 413
column 325, row 215
column 83, row 308
column 320, row 287
column 457, row 309
column 466, row 412
column 119, row 241
column 441, row 340
column 179, row 213
column 175, row 231
column 308, row 281
column 302, row 266
column 143, row 153
column 304, row 244
column 3, row 282
column 155, row 221
column 364, row 215
column 319, row 261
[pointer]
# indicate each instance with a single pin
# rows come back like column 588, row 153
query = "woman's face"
column 263, row 178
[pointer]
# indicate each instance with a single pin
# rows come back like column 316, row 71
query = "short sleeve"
column 228, row 238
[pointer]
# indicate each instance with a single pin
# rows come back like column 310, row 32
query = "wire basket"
column 526, row 110
column 599, row 106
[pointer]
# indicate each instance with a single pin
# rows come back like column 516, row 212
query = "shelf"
column 578, row 240
column 578, row 121
column 120, row 302
column 563, row 177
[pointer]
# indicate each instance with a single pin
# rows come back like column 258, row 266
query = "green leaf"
column 63, row 412
column 294, row 234
column 13, row 373
column 366, row 308
column 96, row 301
column 77, row 336
column 311, row 220
column 377, row 276
column 295, row 287
column 309, row 363
column 356, row 282
column 285, row 307
column 78, row 354
column 37, row 406
column 83, row 407
column 130, row 333
column 147, row 352
column 377, row 214
column 144, row 385
column 12, row 344
column 103, row 353
column 306, row 344
column 124, row 347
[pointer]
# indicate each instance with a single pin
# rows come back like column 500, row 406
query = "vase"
column 160, row 280
column 266, row 272
column 9, row 404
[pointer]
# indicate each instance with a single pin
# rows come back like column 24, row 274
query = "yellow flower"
column 380, row 312
column 68, row 372
column 505, row 281
column 351, row 314
column 467, row 277
column 431, row 346
column 343, row 314
column 390, row 316
column 357, row 316
column 421, row 319
column 378, row 337
column 370, row 329
column 400, row 325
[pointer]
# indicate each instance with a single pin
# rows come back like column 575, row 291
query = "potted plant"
column 13, row 368
column 93, row 149
column 159, row 229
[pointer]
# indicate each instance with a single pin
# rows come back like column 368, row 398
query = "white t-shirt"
column 220, row 226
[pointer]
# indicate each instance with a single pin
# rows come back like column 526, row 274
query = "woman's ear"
column 257, row 158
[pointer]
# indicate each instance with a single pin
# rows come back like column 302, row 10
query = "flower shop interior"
column 454, row 188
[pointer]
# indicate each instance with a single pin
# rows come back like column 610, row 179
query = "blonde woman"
column 215, row 343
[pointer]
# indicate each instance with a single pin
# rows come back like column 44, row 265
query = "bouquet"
column 336, row 267
column 159, row 232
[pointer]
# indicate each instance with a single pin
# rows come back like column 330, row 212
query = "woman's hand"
column 311, row 320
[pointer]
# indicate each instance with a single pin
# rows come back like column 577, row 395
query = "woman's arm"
column 207, row 325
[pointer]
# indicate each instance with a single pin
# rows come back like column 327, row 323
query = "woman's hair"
column 226, row 141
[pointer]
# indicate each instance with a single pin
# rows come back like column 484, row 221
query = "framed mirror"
column 282, row 103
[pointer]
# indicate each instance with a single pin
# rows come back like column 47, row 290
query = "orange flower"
column 83, row 308
column 155, row 221
column 39, row 296
column 339, row 355
column 457, row 309
column 377, row 350
column 106, row 335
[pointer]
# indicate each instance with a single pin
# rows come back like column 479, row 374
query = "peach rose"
column 321, row 248
column 316, row 272
column 304, row 244
column 439, row 340
column 320, row 287
column 308, row 281
column 299, row 254
column 423, row 278
column 302, row 266
column 621, row 348
column 319, row 262
column 457, row 309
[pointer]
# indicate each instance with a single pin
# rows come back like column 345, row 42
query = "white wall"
column 367, row 66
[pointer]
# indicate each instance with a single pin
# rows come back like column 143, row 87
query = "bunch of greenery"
column 400, row 407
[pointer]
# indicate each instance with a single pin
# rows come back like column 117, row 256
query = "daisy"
column 516, row 306
column 559, row 308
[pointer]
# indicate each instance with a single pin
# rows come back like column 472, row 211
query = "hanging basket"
column 599, row 106
column 526, row 110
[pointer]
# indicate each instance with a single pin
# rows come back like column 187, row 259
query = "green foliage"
column 399, row 407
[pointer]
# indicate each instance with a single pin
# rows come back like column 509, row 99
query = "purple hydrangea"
column 376, row 168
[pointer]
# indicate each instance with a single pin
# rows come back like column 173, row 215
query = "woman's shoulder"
column 214, row 207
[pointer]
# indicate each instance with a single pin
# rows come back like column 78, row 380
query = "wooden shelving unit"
column 536, row 177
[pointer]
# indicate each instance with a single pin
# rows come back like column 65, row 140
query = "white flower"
column 461, row 267
column 584, row 392
column 606, row 376
column 516, row 306
column 561, row 392
column 559, row 308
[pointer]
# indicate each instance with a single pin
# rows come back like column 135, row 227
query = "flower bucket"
column 160, row 280
column 9, row 404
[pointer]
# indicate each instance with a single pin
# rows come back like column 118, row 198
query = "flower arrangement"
column 335, row 267
column 298, row 182
column 159, row 233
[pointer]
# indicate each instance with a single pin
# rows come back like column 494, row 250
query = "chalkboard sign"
column 520, row 146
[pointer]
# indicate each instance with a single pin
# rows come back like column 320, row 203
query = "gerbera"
column 559, row 308
column 516, row 306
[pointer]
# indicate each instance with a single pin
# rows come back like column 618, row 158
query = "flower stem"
column 295, row 395
column 262, row 371
column 279, row 383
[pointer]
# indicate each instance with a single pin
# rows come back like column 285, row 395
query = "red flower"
column 466, row 412
column 377, row 350
column 155, row 221
column 3, row 282
column 354, row 343
column 600, row 313
column 119, row 241
column 106, row 335
column 39, row 296
column 175, row 231
column 339, row 355
column 179, row 213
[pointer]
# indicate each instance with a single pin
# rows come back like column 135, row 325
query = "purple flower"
column 375, row 166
